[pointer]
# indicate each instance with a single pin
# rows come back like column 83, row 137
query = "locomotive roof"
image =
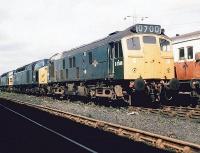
column 6, row 73
column 111, row 37
column 117, row 35
column 24, row 67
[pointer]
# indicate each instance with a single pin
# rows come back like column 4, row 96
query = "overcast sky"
column 36, row 29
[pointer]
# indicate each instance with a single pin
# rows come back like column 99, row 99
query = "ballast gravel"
column 173, row 127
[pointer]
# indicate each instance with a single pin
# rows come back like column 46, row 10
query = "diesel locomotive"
column 6, row 81
column 137, row 61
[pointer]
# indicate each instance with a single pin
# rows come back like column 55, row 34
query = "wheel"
column 168, row 97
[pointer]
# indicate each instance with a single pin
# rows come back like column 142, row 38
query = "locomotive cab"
column 148, row 61
column 40, row 72
column 148, row 55
column 6, row 81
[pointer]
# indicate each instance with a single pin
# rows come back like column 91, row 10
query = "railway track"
column 171, row 111
column 155, row 140
column 191, row 113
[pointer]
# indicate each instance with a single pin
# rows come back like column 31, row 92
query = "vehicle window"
column 70, row 62
column 133, row 43
column 63, row 63
column 111, row 52
column 190, row 52
column 181, row 54
column 74, row 62
column 149, row 39
column 118, row 50
column 90, row 57
column 164, row 45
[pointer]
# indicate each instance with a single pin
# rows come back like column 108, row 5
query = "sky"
column 35, row 29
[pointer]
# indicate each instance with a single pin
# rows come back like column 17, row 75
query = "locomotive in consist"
column 6, row 81
column 31, row 77
column 187, row 63
column 123, row 65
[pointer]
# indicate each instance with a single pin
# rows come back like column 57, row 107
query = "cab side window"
column 118, row 50
column 164, row 45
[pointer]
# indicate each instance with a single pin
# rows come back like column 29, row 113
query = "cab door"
column 111, row 60
column 84, row 64
column 118, row 61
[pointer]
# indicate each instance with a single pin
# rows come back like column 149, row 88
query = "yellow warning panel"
column 43, row 75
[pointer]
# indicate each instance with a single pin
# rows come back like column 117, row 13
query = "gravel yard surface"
column 155, row 123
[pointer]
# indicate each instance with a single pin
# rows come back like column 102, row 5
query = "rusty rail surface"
column 155, row 140
column 172, row 111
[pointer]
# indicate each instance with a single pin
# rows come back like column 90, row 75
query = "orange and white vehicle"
column 187, row 62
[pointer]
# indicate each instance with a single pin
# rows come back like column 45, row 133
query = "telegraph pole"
column 136, row 18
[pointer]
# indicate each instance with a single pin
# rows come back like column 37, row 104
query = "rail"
column 172, row 111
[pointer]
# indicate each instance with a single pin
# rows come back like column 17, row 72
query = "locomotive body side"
column 23, row 76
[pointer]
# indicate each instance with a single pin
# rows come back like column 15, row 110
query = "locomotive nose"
column 174, row 84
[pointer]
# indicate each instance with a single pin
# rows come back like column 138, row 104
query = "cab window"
column 133, row 43
column 149, row 39
column 164, row 45
column 118, row 50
